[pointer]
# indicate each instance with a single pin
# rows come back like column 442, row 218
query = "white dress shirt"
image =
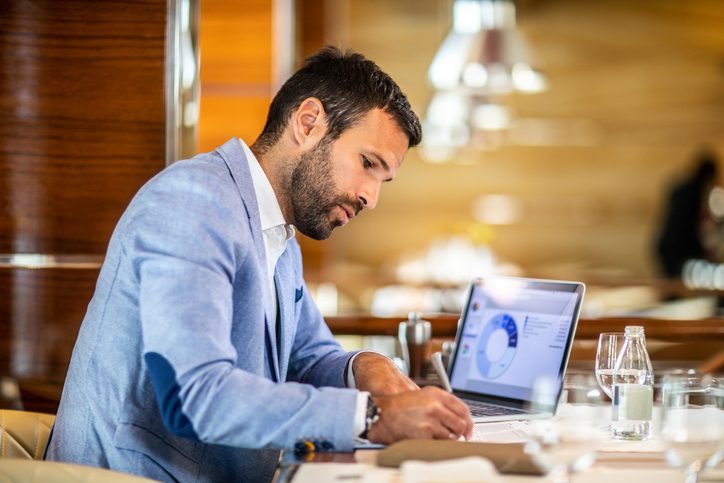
column 276, row 233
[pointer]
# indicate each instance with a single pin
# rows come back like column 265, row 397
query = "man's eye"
column 366, row 162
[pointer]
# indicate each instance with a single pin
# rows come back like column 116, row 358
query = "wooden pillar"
column 83, row 113
column 236, row 44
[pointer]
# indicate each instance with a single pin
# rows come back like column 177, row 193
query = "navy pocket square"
column 298, row 294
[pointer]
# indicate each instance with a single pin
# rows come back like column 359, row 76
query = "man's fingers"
column 462, row 410
column 453, row 403
column 459, row 420
column 453, row 423
column 429, row 413
column 468, row 420
column 469, row 429
column 440, row 431
column 457, row 406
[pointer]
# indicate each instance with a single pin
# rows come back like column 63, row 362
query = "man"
column 201, row 353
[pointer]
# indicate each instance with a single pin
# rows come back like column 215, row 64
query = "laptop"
column 512, row 333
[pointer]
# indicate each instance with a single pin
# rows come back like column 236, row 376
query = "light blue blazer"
column 178, row 373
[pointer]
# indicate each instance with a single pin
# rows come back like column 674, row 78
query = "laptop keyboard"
column 478, row 409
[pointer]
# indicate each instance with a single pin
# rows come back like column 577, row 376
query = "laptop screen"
column 513, row 332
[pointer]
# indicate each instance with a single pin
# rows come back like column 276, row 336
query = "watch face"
column 373, row 412
column 372, row 416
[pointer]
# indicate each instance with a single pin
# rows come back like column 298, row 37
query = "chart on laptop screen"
column 511, row 338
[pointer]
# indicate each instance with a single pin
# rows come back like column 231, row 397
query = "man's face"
column 333, row 182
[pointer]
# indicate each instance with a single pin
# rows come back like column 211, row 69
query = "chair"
column 24, row 434
column 16, row 470
column 23, row 437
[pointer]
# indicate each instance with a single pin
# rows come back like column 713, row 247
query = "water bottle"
column 633, row 388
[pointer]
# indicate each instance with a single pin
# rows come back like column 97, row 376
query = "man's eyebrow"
column 384, row 164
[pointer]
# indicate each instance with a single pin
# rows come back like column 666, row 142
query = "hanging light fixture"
column 484, row 52
column 483, row 56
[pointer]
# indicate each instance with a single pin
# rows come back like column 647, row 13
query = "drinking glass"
column 609, row 345
column 570, row 439
column 692, row 421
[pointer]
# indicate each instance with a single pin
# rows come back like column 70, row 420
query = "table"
column 608, row 468
column 616, row 461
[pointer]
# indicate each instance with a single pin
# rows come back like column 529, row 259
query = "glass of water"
column 569, row 440
column 692, row 421
column 609, row 345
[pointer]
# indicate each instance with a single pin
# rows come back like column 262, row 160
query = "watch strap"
column 372, row 416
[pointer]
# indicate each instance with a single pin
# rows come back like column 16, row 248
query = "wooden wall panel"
column 311, row 27
column 235, row 40
column 40, row 340
column 82, row 127
column 81, row 118
column 228, row 115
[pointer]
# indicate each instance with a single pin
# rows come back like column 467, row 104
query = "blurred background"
column 555, row 130
column 566, row 139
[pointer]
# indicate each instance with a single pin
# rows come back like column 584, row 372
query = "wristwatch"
column 372, row 416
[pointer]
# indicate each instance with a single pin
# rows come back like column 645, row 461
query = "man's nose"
column 369, row 195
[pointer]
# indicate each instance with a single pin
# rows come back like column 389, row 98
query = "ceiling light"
column 483, row 55
column 484, row 51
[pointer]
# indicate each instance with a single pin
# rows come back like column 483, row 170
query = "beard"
column 314, row 195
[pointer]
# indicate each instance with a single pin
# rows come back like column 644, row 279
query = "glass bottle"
column 633, row 388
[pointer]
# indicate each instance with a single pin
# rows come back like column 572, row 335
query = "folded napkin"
column 462, row 470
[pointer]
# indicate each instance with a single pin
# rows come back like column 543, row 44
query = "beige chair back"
column 23, row 437
column 24, row 434
column 27, row 471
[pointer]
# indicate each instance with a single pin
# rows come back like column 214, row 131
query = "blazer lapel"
column 233, row 155
column 284, row 278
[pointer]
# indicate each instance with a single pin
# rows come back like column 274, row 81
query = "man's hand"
column 430, row 413
column 378, row 375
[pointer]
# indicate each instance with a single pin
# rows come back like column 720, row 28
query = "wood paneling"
column 81, row 118
column 312, row 26
column 225, row 116
column 81, row 129
column 46, row 308
column 235, row 41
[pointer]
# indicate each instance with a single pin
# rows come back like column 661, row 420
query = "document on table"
column 343, row 472
column 498, row 432
column 502, row 432
column 463, row 470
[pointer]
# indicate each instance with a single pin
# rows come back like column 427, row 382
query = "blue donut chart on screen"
column 493, row 369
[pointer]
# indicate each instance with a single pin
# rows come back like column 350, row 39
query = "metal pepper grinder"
column 414, row 335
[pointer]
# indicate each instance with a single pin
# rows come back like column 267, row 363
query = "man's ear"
column 309, row 122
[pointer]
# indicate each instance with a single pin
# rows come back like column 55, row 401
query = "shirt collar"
column 270, row 213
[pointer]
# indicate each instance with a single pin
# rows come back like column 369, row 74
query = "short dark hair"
column 349, row 86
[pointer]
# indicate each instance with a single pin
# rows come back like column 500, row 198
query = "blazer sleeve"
column 186, row 239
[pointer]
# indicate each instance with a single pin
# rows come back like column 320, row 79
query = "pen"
column 440, row 370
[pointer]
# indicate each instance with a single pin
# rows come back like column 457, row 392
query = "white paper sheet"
column 502, row 432
column 344, row 473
